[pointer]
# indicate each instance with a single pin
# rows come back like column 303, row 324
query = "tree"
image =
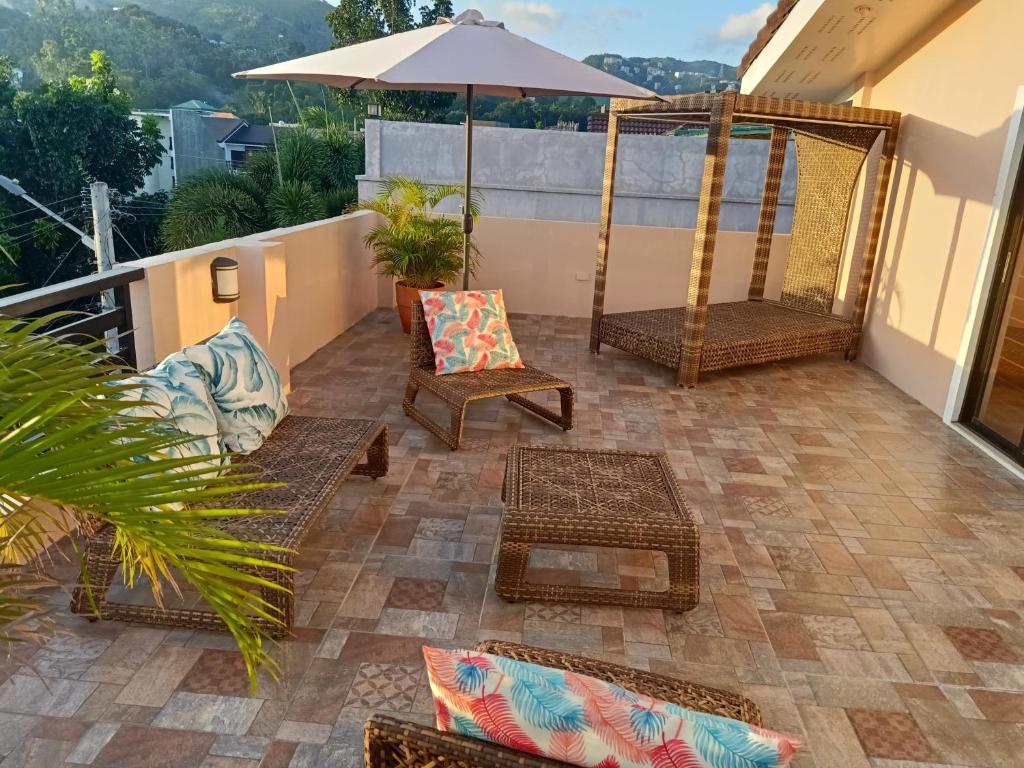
column 310, row 175
column 56, row 140
column 357, row 21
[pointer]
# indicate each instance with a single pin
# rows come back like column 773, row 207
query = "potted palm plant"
column 421, row 249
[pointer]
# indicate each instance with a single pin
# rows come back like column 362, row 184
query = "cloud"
column 741, row 27
column 614, row 12
column 531, row 18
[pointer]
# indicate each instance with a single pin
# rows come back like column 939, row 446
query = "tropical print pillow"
column 587, row 722
column 244, row 384
column 469, row 331
column 176, row 391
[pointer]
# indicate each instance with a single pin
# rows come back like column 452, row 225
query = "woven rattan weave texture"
column 312, row 456
column 458, row 390
column 622, row 499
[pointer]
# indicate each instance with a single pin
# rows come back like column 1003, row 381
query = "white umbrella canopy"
column 465, row 54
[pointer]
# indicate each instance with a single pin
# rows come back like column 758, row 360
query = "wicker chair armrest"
column 391, row 743
column 700, row 698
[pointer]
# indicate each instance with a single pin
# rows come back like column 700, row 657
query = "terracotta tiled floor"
column 863, row 577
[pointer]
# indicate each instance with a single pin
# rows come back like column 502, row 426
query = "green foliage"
column 68, row 450
column 311, row 175
column 357, row 21
column 414, row 244
column 295, row 202
column 212, row 205
column 301, row 154
column 55, row 140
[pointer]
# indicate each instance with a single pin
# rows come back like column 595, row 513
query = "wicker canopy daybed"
column 832, row 143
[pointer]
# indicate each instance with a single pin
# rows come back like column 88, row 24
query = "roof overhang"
column 822, row 48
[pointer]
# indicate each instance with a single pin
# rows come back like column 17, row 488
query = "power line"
column 60, row 263
column 127, row 242
column 31, row 210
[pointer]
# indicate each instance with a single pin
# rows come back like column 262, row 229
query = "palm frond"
column 67, row 444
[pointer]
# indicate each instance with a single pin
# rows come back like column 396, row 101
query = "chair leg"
column 453, row 437
column 100, row 566
column 564, row 420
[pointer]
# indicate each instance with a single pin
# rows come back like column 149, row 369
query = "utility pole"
column 103, row 232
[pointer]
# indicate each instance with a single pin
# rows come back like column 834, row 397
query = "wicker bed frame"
column 832, row 145
column 458, row 390
column 391, row 743
column 311, row 456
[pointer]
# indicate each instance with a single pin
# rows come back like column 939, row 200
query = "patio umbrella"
column 464, row 54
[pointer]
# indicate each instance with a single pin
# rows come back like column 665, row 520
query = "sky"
column 686, row 29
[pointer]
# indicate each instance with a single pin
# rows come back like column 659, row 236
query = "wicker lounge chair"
column 832, row 145
column 311, row 456
column 391, row 743
column 458, row 390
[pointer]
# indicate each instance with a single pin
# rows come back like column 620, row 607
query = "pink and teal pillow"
column 587, row 722
column 469, row 331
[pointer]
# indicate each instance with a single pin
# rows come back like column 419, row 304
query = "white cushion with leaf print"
column 245, row 387
column 176, row 391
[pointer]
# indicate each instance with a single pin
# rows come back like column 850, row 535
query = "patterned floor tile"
column 390, row 687
column 980, row 644
column 856, row 555
column 420, row 594
column 890, row 735
column 217, row 672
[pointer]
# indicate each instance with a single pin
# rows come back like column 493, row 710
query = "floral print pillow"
column 244, row 385
column 469, row 331
column 587, row 722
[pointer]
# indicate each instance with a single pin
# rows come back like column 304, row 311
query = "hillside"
column 666, row 75
column 297, row 25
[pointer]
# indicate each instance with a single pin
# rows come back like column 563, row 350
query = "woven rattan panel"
column 829, row 159
column 621, row 485
column 737, row 333
column 312, row 456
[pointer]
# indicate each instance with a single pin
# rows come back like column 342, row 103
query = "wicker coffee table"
column 618, row 499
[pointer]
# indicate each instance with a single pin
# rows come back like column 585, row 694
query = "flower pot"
column 405, row 295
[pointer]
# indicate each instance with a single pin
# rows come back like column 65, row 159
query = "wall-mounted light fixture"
column 224, row 272
column 373, row 110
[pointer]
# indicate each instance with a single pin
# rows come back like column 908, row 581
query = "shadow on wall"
column 938, row 155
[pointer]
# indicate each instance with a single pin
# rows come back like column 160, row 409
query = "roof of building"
column 197, row 104
column 254, row 135
column 219, row 127
column 766, row 33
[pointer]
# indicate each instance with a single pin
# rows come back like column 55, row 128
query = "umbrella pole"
column 467, row 211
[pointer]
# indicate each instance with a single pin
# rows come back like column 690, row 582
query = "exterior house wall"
column 957, row 106
column 557, row 175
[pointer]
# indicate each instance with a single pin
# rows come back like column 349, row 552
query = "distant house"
column 196, row 135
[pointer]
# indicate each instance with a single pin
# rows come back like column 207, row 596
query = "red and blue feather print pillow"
column 583, row 721
column 469, row 331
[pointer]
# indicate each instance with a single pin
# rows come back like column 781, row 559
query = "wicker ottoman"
column 618, row 499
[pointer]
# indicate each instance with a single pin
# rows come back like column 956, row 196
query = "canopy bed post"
column 708, row 211
column 605, row 233
column 769, row 207
column 874, row 233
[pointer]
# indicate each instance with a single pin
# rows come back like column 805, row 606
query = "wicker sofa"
column 392, row 743
column 458, row 390
column 310, row 456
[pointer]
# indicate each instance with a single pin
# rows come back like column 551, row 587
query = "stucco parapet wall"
column 558, row 176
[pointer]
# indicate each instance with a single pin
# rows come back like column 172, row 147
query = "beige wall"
column 547, row 267
column 299, row 288
column 955, row 87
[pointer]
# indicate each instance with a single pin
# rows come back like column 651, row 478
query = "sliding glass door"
column 994, row 407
